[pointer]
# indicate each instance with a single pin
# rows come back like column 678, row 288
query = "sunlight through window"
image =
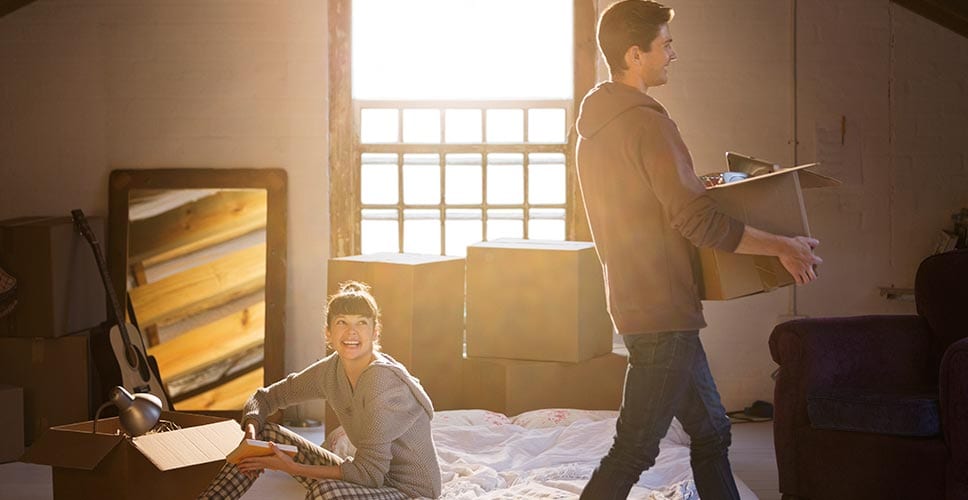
column 462, row 110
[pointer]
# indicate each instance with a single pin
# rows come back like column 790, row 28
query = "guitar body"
column 138, row 378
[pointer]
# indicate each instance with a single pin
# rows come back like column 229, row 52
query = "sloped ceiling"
column 952, row 14
column 8, row 6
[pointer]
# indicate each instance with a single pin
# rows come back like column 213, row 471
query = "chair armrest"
column 863, row 352
column 954, row 406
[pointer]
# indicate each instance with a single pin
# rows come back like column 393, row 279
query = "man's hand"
column 799, row 260
column 279, row 460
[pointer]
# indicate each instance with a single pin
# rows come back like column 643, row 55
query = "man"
column 647, row 211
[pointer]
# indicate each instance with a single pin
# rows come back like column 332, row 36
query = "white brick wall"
column 90, row 86
column 890, row 121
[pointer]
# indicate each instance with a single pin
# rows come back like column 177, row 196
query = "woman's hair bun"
column 353, row 286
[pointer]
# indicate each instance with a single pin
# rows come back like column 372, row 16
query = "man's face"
column 653, row 66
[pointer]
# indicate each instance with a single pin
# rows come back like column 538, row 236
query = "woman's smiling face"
column 352, row 336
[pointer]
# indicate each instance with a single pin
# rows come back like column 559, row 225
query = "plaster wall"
column 91, row 86
column 876, row 93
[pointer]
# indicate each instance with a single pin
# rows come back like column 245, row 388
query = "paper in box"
column 169, row 465
column 536, row 300
column 421, row 298
column 59, row 288
column 772, row 202
column 514, row 386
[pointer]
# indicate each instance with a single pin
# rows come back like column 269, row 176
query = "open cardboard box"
column 165, row 465
column 772, row 202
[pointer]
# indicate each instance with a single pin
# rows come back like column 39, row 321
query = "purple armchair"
column 877, row 406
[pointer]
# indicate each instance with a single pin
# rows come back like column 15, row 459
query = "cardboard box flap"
column 808, row 179
column 70, row 448
column 736, row 162
column 190, row 446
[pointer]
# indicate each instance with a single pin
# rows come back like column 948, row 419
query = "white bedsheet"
column 542, row 454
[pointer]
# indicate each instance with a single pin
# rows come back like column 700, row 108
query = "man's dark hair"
column 627, row 23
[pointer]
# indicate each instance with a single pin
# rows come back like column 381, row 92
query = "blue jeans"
column 668, row 376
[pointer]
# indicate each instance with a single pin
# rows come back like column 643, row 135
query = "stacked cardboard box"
column 12, row 416
column 538, row 332
column 421, row 298
column 44, row 341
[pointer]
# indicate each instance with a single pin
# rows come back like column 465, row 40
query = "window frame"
column 345, row 149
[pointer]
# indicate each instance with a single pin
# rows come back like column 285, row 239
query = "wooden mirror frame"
column 272, row 180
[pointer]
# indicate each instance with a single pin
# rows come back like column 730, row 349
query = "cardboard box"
column 536, row 300
column 12, row 430
column 54, row 375
column 59, row 287
column 421, row 298
column 772, row 202
column 167, row 465
column 512, row 386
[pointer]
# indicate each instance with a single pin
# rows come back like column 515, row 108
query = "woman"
column 384, row 410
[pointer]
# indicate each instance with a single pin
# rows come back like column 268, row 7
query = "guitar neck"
column 102, row 268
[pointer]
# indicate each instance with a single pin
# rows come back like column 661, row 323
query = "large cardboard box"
column 12, row 429
column 421, row 298
column 512, row 386
column 772, row 202
column 164, row 466
column 54, row 375
column 59, row 287
column 536, row 300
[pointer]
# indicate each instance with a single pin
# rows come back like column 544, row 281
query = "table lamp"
column 138, row 414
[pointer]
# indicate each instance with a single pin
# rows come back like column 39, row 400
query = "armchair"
column 877, row 406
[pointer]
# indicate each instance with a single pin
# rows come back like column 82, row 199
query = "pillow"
column 553, row 417
column 469, row 417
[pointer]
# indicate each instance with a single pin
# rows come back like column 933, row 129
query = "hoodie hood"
column 384, row 360
column 606, row 102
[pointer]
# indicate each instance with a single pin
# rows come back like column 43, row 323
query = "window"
column 450, row 121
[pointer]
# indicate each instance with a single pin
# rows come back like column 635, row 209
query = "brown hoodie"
column 647, row 210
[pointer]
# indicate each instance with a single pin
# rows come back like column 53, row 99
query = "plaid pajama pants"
column 231, row 483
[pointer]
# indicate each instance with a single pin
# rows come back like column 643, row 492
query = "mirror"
column 198, row 258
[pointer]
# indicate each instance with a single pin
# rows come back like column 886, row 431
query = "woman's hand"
column 279, row 460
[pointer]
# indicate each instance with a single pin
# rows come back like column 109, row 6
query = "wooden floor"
column 752, row 458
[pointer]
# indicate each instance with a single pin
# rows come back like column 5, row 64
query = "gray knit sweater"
column 387, row 418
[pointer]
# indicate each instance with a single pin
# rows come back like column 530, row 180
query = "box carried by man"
column 769, row 198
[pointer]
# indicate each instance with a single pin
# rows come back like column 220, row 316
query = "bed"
column 546, row 454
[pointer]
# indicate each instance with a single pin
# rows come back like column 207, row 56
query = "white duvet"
column 541, row 454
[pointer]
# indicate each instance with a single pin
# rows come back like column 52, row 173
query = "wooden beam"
column 193, row 226
column 203, row 287
column 586, row 63
column 223, row 339
column 8, row 6
column 952, row 14
column 229, row 396
column 344, row 176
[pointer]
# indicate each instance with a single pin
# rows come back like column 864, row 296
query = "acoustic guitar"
column 136, row 374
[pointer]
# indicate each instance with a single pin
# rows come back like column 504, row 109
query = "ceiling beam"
column 8, row 6
column 952, row 14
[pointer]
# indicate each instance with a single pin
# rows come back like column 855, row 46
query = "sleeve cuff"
column 733, row 236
